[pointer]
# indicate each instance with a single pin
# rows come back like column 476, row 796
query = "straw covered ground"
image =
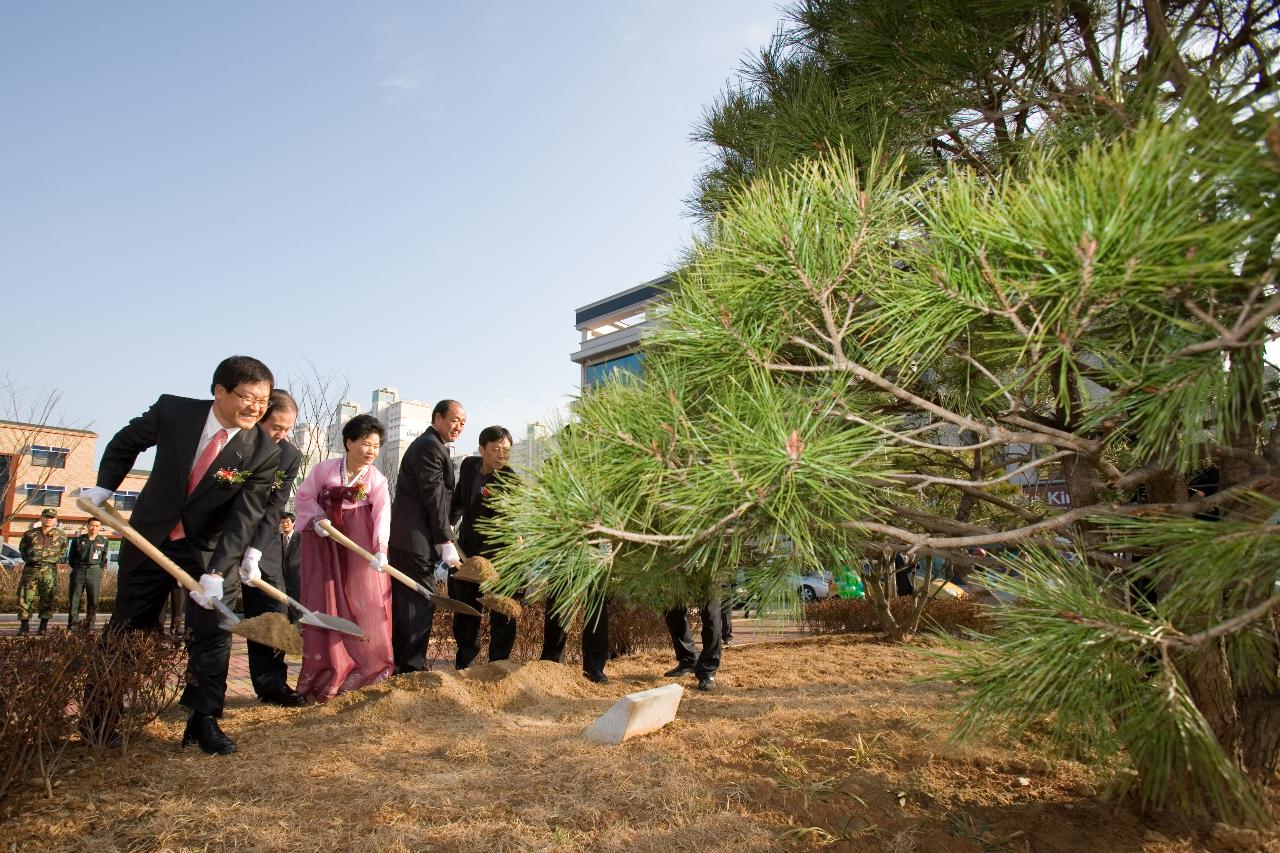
column 829, row 742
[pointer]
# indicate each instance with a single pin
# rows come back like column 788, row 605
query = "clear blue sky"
column 412, row 194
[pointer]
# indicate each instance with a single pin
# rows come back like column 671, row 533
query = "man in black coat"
column 88, row 557
column 265, row 559
column 476, row 477
column 422, row 531
column 290, row 560
column 207, row 491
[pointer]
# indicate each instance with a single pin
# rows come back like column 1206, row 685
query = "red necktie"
column 210, row 453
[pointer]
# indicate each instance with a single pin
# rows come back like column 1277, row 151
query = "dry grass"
column 828, row 743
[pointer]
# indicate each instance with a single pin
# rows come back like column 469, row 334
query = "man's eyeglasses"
column 250, row 400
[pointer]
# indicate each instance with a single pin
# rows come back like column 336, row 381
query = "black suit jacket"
column 218, row 518
column 278, row 499
column 420, row 513
column 278, row 562
column 469, row 502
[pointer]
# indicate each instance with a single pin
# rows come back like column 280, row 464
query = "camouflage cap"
column 49, row 513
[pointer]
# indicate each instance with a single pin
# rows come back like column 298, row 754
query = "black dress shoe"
column 285, row 697
column 678, row 671
column 706, row 682
column 597, row 677
column 203, row 730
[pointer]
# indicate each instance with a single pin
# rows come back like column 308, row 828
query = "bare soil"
column 827, row 743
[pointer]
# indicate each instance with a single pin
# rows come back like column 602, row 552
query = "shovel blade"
column 446, row 603
column 331, row 623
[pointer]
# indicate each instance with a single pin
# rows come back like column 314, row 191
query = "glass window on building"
column 43, row 456
column 125, row 501
column 44, row 495
column 598, row 373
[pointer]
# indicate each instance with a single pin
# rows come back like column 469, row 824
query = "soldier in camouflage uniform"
column 42, row 549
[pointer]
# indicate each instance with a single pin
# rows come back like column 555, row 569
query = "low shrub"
column 50, row 682
column 855, row 615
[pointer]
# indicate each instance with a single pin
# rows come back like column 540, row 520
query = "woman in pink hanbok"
column 353, row 496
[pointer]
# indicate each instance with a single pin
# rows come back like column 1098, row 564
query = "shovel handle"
column 111, row 517
column 270, row 590
column 339, row 537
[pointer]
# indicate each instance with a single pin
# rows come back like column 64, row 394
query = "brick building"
column 44, row 466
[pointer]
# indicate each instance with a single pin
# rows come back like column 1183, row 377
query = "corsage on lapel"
column 279, row 482
column 231, row 476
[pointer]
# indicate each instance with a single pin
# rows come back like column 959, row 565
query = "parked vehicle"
column 10, row 558
column 810, row 586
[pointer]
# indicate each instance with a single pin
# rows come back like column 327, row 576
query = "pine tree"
column 877, row 334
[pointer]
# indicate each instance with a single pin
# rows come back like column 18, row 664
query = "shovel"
column 311, row 617
column 261, row 629
column 441, row 601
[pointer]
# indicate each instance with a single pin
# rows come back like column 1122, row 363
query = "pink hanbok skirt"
column 337, row 581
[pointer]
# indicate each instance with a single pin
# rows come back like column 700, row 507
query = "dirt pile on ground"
column 833, row 743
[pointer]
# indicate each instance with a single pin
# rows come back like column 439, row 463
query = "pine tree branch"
column 670, row 538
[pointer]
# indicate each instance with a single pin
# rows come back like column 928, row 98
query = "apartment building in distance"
column 44, row 466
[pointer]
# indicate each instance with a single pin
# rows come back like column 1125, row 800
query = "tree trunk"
column 1208, row 678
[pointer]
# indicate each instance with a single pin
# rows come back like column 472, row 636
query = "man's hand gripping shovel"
column 270, row 629
column 441, row 601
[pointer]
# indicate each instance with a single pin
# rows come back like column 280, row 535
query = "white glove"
column 442, row 573
column 320, row 531
column 249, row 571
column 449, row 555
column 211, row 588
column 378, row 562
column 96, row 495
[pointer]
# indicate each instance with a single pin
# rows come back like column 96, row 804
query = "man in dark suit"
column 265, row 559
column 476, row 476
column 422, row 531
column 207, row 491
column 290, row 560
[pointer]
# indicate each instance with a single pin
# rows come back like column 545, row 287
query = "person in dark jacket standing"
column 476, row 477
column 87, row 558
column 207, row 491
column 290, row 560
column 264, row 560
column 422, row 531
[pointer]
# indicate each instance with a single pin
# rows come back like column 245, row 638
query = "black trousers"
column 411, row 612
column 141, row 595
column 86, row 581
column 293, row 587
column 595, row 637
column 707, row 661
column 466, row 629
column 267, row 669
column 726, row 619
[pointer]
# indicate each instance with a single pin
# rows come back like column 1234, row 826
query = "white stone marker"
column 637, row 714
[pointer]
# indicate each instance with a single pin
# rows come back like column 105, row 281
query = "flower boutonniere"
column 279, row 482
column 359, row 492
column 232, row 476
column 484, row 491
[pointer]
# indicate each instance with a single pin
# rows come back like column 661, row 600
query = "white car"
column 810, row 587
column 10, row 558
